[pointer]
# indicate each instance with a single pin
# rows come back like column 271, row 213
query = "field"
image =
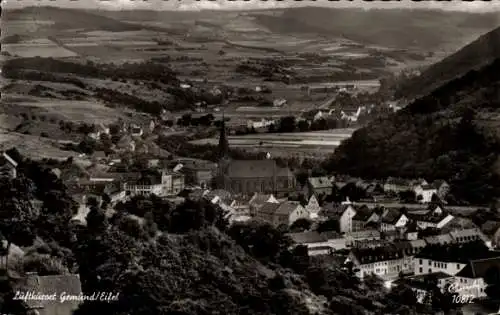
column 283, row 50
column 305, row 144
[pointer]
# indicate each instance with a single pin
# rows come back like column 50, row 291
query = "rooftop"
column 370, row 255
column 256, row 169
column 308, row 237
column 457, row 252
column 480, row 267
column 320, row 182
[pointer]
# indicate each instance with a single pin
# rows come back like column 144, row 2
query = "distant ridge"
column 475, row 55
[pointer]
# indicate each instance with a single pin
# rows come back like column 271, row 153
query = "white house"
column 392, row 219
column 434, row 218
column 279, row 102
column 386, row 262
column 313, row 207
column 344, row 214
column 424, row 193
column 318, row 243
column 263, row 123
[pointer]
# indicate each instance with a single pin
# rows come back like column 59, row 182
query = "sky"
column 455, row 5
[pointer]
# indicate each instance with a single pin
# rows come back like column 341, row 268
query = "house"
column 280, row 102
column 313, row 207
column 163, row 184
column 357, row 237
column 200, row 173
column 492, row 230
column 423, row 285
column 436, row 217
column 471, row 279
column 386, row 262
column 468, row 235
column 396, row 185
column 318, row 243
column 363, row 216
column 411, row 231
column 260, row 124
column 449, row 258
column 69, row 285
column 344, row 213
column 425, row 193
column 241, row 205
column 392, row 219
column 8, row 166
column 440, row 239
column 258, row 200
column 319, row 186
column 352, row 114
column 284, row 213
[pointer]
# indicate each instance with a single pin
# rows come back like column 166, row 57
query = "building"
column 363, row 216
column 473, row 279
column 319, row 186
column 423, row 285
column 258, row 200
column 425, row 193
column 162, row 185
column 436, row 218
column 450, row 258
column 284, row 213
column 343, row 213
column 200, row 173
column 260, row 124
column 354, row 239
column 318, row 243
column 250, row 176
column 8, row 166
column 492, row 230
column 397, row 185
column 392, row 219
column 59, row 284
column 313, row 207
column 386, row 262
column 468, row 235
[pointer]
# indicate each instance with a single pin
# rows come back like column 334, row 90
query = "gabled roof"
column 362, row 214
column 320, row 182
column 269, row 208
column 459, row 253
column 479, row 268
column 468, row 233
column 5, row 158
column 370, row 255
column 392, row 216
column 259, row 199
column 308, row 237
column 490, row 227
column 255, row 169
column 287, row 207
column 439, row 239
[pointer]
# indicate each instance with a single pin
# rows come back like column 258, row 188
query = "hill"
column 453, row 133
column 60, row 19
column 473, row 56
column 401, row 29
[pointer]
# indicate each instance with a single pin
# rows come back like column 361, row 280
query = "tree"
column 301, row 225
column 329, row 225
column 287, row 124
column 17, row 213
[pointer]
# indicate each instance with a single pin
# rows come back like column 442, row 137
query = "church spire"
column 223, row 143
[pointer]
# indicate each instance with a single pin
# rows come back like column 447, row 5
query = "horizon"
column 208, row 5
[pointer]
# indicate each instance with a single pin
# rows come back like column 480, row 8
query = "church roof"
column 253, row 168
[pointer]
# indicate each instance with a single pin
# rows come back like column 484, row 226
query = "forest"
column 450, row 134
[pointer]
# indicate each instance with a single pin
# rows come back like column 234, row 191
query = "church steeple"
column 223, row 143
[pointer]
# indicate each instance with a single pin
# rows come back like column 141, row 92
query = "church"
column 247, row 177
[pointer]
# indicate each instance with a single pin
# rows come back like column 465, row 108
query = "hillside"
column 473, row 56
column 452, row 133
column 59, row 19
column 402, row 29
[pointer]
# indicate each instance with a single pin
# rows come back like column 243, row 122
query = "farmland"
column 305, row 144
column 209, row 50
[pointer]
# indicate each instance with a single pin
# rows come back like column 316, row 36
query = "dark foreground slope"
column 452, row 133
column 473, row 56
